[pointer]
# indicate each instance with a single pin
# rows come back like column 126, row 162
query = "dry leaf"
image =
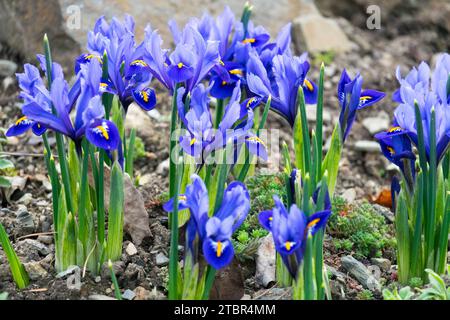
column 384, row 198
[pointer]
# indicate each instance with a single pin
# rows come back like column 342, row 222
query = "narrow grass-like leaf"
column 116, row 214
column 18, row 271
column 130, row 153
column 117, row 292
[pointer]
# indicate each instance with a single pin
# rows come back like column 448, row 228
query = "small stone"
column 45, row 239
column 25, row 199
column 25, row 220
column 70, row 270
column 98, row 279
column 155, row 114
column 384, row 264
column 265, row 262
column 314, row 33
column 99, row 297
column 161, row 260
column 134, row 272
column 141, row 293
column 128, row 295
column 7, row 83
column 360, row 273
column 7, row 68
column 36, row 245
column 35, row 270
column 108, row 290
column 131, row 249
column 146, row 179
column 388, row 214
column 375, row 124
column 349, row 195
column 367, row 146
column 163, row 167
column 117, row 266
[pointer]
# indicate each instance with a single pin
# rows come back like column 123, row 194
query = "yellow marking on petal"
column 90, row 56
column 140, row 63
column 103, row 85
column 308, row 85
column 363, row 99
column 250, row 101
column 182, row 198
column 391, row 150
column 20, row 120
column 288, row 245
column 219, row 249
column 221, row 63
column 144, row 96
column 249, row 40
column 224, row 83
column 236, row 72
column 395, row 129
column 103, row 131
column 256, row 139
column 180, row 65
column 192, row 141
column 312, row 223
column 270, row 218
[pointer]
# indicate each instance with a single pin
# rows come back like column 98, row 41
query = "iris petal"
column 145, row 98
column 103, row 134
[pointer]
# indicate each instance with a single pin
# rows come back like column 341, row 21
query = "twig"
column 23, row 154
column 36, row 234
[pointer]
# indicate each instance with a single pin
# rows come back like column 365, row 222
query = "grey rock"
column 367, row 146
column 336, row 274
column 36, row 246
column 98, row 279
column 24, row 23
column 384, row 264
column 25, row 220
column 388, row 214
column 35, row 270
column 25, row 199
column 131, row 249
column 8, row 83
column 99, row 297
column 45, row 239
column 163, row 167
column 128, row 295
column 134, row 272
column 265, row 262
column 7, row 68
column 117, row 266
column 376, row 124
column 161, row 260
column 314, row 33
column 349, row 195
column 359, row 271
column 70, row 270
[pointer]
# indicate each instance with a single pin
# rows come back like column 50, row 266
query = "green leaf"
column 18, row 271
column 332, row 159
column 4, row 182
column 5, row 164
column 116, row 213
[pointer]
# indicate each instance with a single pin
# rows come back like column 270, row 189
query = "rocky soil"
column 408, row 35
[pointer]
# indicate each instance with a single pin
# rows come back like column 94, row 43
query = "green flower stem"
column 219, row 112
column 59, row 138
column 210, row 276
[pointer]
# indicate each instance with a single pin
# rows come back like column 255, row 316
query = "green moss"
column 262, row 188
column 359, row 229
column 365, row 295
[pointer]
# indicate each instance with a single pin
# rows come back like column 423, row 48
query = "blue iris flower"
column 417, row 89
column 33, row 90
column 352, row 98
column 128, row 73
column 89, row 118
column 289, row 73
column 190, row 62
column 213, row 234
column 290, row 231
column 201, row 139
